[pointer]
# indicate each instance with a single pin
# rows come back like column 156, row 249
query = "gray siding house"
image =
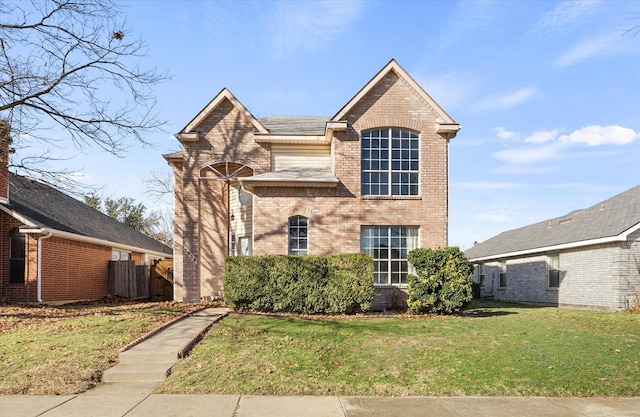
column 586, row 259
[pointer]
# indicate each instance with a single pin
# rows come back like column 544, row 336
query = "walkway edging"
column 159, row 329
column 186, row 349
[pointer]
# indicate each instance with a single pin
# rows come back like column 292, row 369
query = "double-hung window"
column 390, row 162
column 502, row 283
column 389, row 246
column 553, row 267
column 298, row 235
column 17, row 255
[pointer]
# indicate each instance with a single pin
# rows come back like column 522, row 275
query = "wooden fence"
column 126, row 279
column 161, row 284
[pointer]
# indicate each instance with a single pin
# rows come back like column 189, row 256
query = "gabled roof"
column 446, row 122
column 40, row 206
column 609, row 221
column 224, row 94
column 295, row 125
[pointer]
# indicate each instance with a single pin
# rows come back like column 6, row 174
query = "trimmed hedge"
column 443, row 282
column 299, row 284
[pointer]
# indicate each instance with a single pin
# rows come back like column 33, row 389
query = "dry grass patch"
column 64, row 350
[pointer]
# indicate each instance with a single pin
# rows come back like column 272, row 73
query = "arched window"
column 16, row 257
column 298, row 235
column 390, row 162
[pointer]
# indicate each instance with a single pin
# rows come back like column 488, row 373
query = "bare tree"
column 73, row 66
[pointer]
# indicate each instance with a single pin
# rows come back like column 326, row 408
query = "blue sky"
column 547, row 93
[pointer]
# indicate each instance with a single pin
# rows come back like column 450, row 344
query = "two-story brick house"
column 372, row 178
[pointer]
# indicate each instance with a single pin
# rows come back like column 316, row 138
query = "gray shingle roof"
column 609, row 218
column 295, row 175
column 49, row 208
column 295, row 125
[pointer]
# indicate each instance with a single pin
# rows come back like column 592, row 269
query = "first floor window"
column 17, row 254
column 553, row 266
column 481, row 274
column 503, row 274
column 389, row 247
column 118, row 255
column 298, row 235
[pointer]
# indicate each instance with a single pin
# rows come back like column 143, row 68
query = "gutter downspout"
column 39, row 272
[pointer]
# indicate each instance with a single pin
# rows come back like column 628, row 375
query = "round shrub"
column 442, row 282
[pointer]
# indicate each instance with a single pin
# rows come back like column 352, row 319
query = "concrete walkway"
column 127, row 391
column 135, row 404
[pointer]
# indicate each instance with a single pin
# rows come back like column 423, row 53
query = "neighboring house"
column 55, row 248
column 588, row 259
column 372, row 178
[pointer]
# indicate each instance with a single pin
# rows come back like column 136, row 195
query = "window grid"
column 503, row 274
column 390, row 162
column 389, row 247
column 17, row 256
column 298, row 235
column 553, row 268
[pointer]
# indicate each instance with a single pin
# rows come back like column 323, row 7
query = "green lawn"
column 494, row 349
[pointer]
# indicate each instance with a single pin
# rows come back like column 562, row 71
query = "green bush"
column 299, row 284
column 443, row 281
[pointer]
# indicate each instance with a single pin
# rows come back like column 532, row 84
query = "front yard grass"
column 493, row 349
column 64, row 350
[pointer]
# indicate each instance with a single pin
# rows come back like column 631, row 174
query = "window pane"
column 298, row 230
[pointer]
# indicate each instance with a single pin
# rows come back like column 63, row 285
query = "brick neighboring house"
column 55, row 249
column 372, row 178
column 586, row 259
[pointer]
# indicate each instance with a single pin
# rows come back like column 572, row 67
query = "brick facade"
column 71, row 270
column 602, row 276
column 204, row 203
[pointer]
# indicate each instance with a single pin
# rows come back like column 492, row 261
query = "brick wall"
column 335, row 214
column 71, row 270
column 599, row 277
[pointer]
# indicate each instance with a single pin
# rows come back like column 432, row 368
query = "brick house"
column 55, row 249
column 586, row 259
column 372, row 178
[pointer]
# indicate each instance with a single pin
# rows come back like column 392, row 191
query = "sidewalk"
column 127, row 391
column 155, row 405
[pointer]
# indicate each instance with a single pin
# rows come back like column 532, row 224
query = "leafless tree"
column 72, row 66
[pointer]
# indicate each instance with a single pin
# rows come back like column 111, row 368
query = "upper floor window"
column 390, row 162
column 17, row 256
column 298, row 235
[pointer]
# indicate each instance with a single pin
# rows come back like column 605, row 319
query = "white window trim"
column 390, row 171
column 389, row 260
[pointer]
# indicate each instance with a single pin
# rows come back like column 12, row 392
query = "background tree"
column 127, row 211
column 72, row 66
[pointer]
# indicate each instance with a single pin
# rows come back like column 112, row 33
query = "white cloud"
column 547, row 145
column 450, row 90
column 485, row 185
column 307, row 26
column 599, row 45
column 598, row 135
column 505, row 134
column 523, row 170
column 530, row 154
column 542, row 136
column 507, row 100
column 566, row 15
